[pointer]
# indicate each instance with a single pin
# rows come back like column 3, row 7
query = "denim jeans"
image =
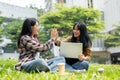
column 36, row 65
column 40, row 64
column 52, row 63
column 78, row 65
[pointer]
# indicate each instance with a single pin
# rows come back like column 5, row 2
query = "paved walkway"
column 9, row 55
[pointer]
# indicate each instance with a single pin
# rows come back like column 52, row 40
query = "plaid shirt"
column 28, row 49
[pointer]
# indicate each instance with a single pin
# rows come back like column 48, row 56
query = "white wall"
column 114, row 49
column 50, row 5
column 69, row 3
column 112, row 13
column 82, row 3
column 98, row 4
column 13, row 11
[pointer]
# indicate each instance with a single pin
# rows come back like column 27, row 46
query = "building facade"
column 82, row 3
column 50, row 4
column 12, row 11
column 112, row 14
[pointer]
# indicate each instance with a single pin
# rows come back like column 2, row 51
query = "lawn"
column 7, row 72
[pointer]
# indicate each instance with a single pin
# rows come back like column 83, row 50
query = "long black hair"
column 84, row 37
column 26, row 28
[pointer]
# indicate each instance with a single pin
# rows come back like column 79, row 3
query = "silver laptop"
column 70, row 50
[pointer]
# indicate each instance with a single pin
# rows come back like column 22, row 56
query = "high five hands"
column 54, row 34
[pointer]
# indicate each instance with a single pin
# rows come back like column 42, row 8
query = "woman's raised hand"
column 54, row 34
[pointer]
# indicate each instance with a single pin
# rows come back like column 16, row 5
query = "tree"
column 13, row 27
column 113, row 39
column 2, row 19
column 39, row 11
column 12, row 30
column 64, row 18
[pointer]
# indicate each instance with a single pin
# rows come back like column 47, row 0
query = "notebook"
column 70, row 50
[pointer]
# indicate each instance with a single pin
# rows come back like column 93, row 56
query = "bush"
column 99, row 59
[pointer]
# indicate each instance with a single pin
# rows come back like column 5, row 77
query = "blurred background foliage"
column 63, row 19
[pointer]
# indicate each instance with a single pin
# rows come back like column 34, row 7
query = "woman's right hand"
column 54, row 34
column 81, row 57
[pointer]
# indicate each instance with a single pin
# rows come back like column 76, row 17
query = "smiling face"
column 76, row 32
column 35, row 29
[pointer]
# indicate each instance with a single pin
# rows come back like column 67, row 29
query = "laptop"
column 70, row 50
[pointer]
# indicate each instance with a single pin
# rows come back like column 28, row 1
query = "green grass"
column 7, row 72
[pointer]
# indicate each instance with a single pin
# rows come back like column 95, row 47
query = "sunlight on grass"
column 111, row 72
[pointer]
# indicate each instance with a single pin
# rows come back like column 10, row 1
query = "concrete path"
column 9, row 55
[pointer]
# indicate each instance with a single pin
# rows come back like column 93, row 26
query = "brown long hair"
column 84, row 37
column 26, row 28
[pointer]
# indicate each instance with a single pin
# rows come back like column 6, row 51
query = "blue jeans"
column 36, row 65
column 78, row 65
column 40, row 64
column 52, row 63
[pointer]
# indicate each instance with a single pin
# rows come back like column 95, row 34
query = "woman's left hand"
column 81, row 57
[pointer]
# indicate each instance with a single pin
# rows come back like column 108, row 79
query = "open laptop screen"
column 70, row 50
